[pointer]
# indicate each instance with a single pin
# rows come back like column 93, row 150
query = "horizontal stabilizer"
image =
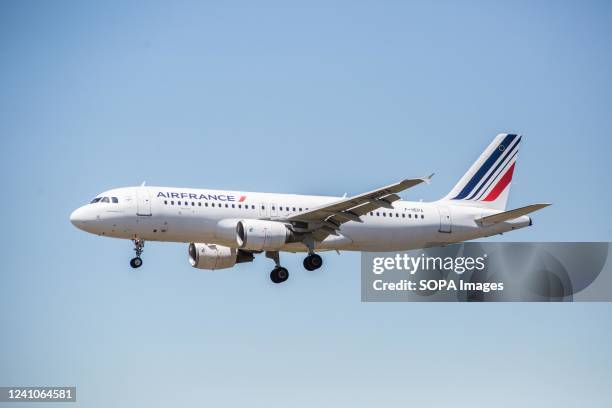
column 512, row 214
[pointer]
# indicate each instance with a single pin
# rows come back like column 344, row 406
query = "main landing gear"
column 278, row 274
column 312, row 262
column 138, row 248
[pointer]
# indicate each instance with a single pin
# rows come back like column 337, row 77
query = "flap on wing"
column 512, row 214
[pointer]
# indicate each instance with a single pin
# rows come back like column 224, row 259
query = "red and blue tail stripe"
column 486, row 184
column 502, row 167
column 497, row 156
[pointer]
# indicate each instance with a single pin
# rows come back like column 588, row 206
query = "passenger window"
column 199, row 203
column 166, row 202
column 226, row 206
column 172, row 202
column 403, row 215
column 263, row 207
column 422, row 216
column 384, row 214
column 378, row 214
column 252, row 207
column 105, row 200
column 239, row 205
column 371, row 213
column 115, row 200
column 300, row 208
column 179, row 203
column 212, row 204
column 192, row 204
column 233, row 205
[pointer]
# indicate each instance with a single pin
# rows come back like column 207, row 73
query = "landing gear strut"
column 138, row 248
column 312, row 261
column 278, row 274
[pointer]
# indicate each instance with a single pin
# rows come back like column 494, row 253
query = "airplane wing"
column 512, row 214
column 328, row 218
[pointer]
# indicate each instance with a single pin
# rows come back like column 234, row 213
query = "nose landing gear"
column 136, row 262
column 138, row 248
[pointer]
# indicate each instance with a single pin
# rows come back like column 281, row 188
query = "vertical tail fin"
column 487, row 183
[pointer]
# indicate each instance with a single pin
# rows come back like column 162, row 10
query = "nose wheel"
column 136, row 262
column 312, row 262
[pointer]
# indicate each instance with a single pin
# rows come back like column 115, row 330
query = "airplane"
column 224, row 228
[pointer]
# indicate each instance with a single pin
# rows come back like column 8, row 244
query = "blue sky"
column 320, row 98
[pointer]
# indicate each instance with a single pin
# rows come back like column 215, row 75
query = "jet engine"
column 260, row 235
column 211, row 256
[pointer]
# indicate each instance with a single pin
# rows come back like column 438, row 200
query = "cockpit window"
column 113, row 200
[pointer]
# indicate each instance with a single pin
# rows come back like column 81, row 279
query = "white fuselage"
column 193, row 215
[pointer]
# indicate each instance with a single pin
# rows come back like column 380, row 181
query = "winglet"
column 143, row 184
column 428, row 178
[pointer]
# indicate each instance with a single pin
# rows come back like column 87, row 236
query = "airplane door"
column 262, row 210
column 446, row 221
column 143, row 202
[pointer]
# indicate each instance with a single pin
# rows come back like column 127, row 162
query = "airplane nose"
column 77, row 218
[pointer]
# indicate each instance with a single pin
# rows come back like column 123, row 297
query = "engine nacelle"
column 260, row 235
column 211, row 256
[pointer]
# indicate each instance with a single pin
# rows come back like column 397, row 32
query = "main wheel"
column 316, row 261
column 312, row 262
column 279, row 274
column 136, row 262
